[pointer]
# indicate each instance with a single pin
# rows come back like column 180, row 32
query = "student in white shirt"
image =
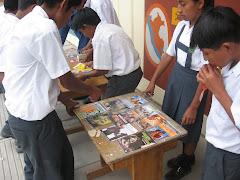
column 35, row 60
column 114, row 54
column 217, row 34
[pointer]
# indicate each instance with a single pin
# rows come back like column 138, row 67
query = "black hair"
column 11, row 5
column 207, row 3
column 216, row 26
column 24, row 4
column 85, row 16
column 51, row 3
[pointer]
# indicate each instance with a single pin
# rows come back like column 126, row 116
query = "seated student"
column 114, row 54
column 35, row 60
column 217, row 33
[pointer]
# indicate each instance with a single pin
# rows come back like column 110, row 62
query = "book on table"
column 98, row 120
column 90, row 109
column 134, row 101
column 150, row 121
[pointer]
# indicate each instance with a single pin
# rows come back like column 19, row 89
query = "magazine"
column 90, row 110
column 135, row 141
column 114, row 105
column 98, row 120
column 146, row 110
column 83, row 68
column 72, row 55
column 129, row 116
column 160, row 132
column 134, row 101
column 114, row 133
column 150, row 121
column 116, row 119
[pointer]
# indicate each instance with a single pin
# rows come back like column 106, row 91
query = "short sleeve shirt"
column 34, row 61
column 113, row 50
column 197, row 56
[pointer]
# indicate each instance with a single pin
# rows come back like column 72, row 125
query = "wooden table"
column 143, row 164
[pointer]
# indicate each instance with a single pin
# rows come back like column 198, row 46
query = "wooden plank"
column 98, row 171
column 74, row 130
column 2, row 174
column 6, row 166
column 11, row 160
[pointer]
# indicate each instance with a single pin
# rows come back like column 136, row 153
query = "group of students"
column 34, row 60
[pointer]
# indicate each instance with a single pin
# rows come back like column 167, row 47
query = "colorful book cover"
column 160, row 132
column 98, row 120
column 129, row 116
column 143, row 124
column 150, row 121
column 81, row 67
column 146, row 110
column 91, row 109
column 135, row 141
column 72, row 55
column 116, row 119
column 134, row 101
column 114, row 105
column 114, row 133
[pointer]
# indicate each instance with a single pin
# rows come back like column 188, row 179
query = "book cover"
column 146, row 110
column 114, row 105
column 114, row 133
column 72, row 55
column 150, row 121
column 116, row 119
column 81, row 67
column 98, row 120
column 160, row 132
column 143, row 124
column 91, row 109
column 129, row 116
column 134, row 101
column 135, row 141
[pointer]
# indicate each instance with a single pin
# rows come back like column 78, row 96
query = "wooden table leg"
column 74, row 130
column 98, row 171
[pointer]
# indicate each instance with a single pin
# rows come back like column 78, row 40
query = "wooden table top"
column 111, row 151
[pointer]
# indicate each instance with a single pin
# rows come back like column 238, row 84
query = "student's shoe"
column 18, row 147
column 178, row 172
column 6, row 131
column 172, row 163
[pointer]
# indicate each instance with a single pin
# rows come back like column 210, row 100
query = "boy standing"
column 217, row 33
column 35, row 60
column 114, row 54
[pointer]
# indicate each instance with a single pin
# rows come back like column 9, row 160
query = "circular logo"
column 157, row 33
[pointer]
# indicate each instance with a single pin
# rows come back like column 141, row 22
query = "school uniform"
column 114, row 51
column 182, row 83
column 222, row 157
column 105, row 11
column 34, row 61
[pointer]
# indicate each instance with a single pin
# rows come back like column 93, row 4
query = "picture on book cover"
column 150, row 121
column 83, row 68
column 129, row 116
column 160, row 132
column 72, row 55
column 114, row 133
column 90, row 110
column 135, row 141
column 114, row 105
column 98, row 120
column 134, row 101
column 115, row 119
column 146, row 110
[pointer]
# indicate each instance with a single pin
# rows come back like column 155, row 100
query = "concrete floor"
column 85, row 153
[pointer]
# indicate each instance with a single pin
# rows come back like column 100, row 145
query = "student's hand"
column 189, row 116
column 82, row 76
column 150, row 90
column 212, row 78
column 96, row 94
column 89, row 64
column 70, row 106
column 89, row 53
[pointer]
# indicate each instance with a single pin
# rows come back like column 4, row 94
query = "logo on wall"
column 157, row 33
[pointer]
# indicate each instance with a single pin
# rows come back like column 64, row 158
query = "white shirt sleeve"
column 52, row 55
column 235, row 109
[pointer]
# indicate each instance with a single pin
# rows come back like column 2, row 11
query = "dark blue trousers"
column 48, row 154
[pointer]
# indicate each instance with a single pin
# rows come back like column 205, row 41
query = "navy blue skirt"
column 180, row 91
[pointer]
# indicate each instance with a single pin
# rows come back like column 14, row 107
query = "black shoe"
column 172, row 163
column 178, row 172
column 6, row 131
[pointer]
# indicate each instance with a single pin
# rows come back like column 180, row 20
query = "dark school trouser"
column 48, row 154
column 119, row 85
column 220, row 164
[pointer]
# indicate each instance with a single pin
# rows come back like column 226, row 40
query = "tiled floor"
column 85, row 152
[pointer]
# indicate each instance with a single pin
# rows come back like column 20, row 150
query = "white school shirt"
column 221, row 132
column 2, row 9
column 7, row 23
column 197, row 56
column 34, row 61
column 104, row 9
column 113, row 50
